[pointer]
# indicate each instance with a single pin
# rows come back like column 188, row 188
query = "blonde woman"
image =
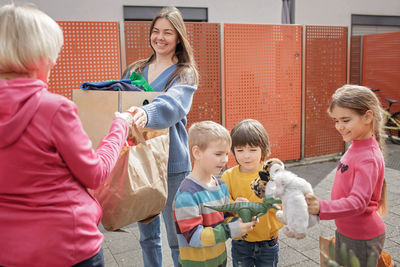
column 170, row 69
column 47, row 216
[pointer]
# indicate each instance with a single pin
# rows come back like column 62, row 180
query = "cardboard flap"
column 139, row 99
column 96, row 108
column 96, row 111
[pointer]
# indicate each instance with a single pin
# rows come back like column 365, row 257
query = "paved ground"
column 123, row 249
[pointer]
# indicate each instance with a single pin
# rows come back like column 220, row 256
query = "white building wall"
column 308, row 12
column 338, row 12
column 226, row 11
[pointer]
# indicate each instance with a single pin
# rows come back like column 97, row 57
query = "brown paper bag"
column 324, row 250
column 136, row 189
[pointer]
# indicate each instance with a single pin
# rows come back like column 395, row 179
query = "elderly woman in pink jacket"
column 47, row 216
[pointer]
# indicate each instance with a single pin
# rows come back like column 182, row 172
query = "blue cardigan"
column 169, row 110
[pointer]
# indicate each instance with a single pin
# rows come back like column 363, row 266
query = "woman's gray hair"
column 28, row 38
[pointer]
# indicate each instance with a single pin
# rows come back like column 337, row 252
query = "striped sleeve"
column 196, row 225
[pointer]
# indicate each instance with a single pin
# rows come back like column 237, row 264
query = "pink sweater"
column 47, row 216
column 356, row 192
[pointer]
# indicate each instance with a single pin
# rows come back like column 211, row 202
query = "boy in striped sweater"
column 202, row 232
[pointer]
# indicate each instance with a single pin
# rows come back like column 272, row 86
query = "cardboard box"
column 96, row 108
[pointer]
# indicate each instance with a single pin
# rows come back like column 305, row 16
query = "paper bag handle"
column 138, row 134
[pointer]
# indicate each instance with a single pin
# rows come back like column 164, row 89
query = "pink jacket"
column 356, row 192
column 47, row 216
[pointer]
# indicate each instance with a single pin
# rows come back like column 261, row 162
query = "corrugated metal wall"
column 355, row 60
column 381, row 64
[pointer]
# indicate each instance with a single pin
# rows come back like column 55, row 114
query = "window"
column 196, row 14
column 368, row 24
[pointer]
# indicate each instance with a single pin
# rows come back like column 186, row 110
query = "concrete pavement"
column 122, row 248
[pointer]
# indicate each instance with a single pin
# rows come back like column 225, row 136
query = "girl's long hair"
column 186, row 66
column 361, row 99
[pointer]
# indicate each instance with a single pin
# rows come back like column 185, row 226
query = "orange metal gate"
column 204, row 38
column 91, row 52
column 262, row 76
column 325, row 71
column 381, row 64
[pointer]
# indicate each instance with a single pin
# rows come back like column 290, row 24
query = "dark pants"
column 249, row 254
column 95, row 261
column 361, row 248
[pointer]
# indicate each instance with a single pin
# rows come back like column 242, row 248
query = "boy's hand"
column 247, row 227
column 313, row 204
column 241, row 199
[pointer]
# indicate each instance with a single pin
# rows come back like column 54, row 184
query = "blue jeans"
column 150, row 234
column 95, row 261
column 249, row 254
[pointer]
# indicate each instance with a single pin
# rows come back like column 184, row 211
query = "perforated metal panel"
column 262, row 75
column 204, row 39
column 325, row 71
column 137, row 42
column 381, row 65
column 90, row 53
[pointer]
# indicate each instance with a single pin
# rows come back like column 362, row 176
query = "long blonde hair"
column 27, row 37
column 361, row 99
column 184, row 52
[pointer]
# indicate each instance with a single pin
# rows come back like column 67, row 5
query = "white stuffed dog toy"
column 291, row 190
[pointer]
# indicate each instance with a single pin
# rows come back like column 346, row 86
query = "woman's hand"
column 313, row 204
column 247, row 227
column 139, row 117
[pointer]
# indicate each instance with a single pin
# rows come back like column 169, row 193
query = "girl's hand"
column 241, row 199
column 313, row 204
column 247, row 227
column 139, row 116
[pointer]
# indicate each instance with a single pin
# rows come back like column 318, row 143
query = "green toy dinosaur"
column 247, row 210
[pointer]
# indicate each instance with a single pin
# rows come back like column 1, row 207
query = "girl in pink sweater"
column 47, row 216
column 358, row 192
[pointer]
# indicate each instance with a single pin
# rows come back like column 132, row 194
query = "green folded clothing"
column 139, row 80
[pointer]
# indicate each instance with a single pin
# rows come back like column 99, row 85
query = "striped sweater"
column 202, row 232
